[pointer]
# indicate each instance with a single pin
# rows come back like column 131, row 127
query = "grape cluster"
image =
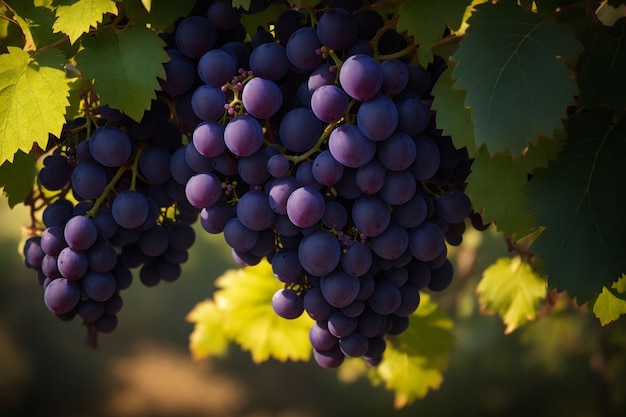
column 111, row 206
column 312, row 146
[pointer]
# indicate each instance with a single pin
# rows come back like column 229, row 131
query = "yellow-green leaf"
column 245, row 296
column 77, row 17
column 241, row 312
column 608, row 306
column 414, row 361
column 33, row 98
column 512, row 289
column 208, row 337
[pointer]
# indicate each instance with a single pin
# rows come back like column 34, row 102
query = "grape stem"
column 109, row 188
column 323, row 137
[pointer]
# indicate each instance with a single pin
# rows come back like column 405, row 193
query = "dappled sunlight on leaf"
column 512, row 289
column 241, row 312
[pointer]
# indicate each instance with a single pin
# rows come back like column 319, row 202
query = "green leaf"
column 17, row 177
column 452, row 116
column 263, row 19
column 496, row 186
column 241, row 311
column 163, row 13
column 601, row 74
column 414, row 361
column 512, row 289
column 125, row 68
column 33, row 98
column 608, row 306
column 76, row 17
column 426, row 21
column 511, row 64
column 579, row 199
column 244, row 4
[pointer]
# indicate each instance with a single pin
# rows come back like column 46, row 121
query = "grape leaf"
column 601, row 74
column 208, row 337
column 29, row 41
column 511, row 288
column 125, row 67
column 244, row 4
column 33, row 97
column 164, row 13
column 609, row 15
column 426, row 21
column 452, row 116
column 263, row 18
column 496, row 185
column 414, row 361
column 242, row 307
column 510, row 63
column 17, row 177
column 579, row 200
column 76, row 17
column 611, row 303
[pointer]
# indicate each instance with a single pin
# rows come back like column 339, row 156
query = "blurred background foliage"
column 563, row 364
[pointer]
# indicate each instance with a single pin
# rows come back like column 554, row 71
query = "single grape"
column 319, row 253
column 361, row 77
column 287, row 303
column 350, row 147
column 61, row 296
column 305, row 206
column 269, row 61
column 110, row 146
column 216, row 67
column 130, row 209
column 194, row 36
column 261, row 97
column 243, row 135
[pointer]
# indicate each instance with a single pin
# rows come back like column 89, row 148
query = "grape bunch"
column 312, row 146
column 110, row 205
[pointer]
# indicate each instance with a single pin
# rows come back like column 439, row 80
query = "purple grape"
column 130, row 209
column 356, row 260
column 254, row 211
column 395, row 76
column 370, row 178
column 299, row 129
column 319, row 253
column 454, row 206
column 61, row 296
column 208, row 139
column 204, row 190
column 194, row 36
column 80, row 232
column 269, row 61
column 243, row 135
column 208, row 103
column 337, row 28
column 287, row 303
column 397, row 152
column 354, row 345
column 370, row 215
column 302, row 48
column 326, row 169
column 89, row 179
column 154, row 164
column 321, row 338
column 216, row 67
column 426, row 241
column 350, row 147
column 339, row 288
column 261, row 98
column 72, row 264
column 305, row 206
column 179, row 74
column 360, row 77
column 110, row 146
column 377, row 118
column 329, row 103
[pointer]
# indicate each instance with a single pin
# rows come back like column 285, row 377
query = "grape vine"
column 340, row 147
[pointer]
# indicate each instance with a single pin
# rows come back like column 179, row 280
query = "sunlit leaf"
column 512, row 289
column 241, row 312
column 33, row 98
column 245, row 297
column 76, row 17
column 611, row 303
column 414, row 361
column 208, row 337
